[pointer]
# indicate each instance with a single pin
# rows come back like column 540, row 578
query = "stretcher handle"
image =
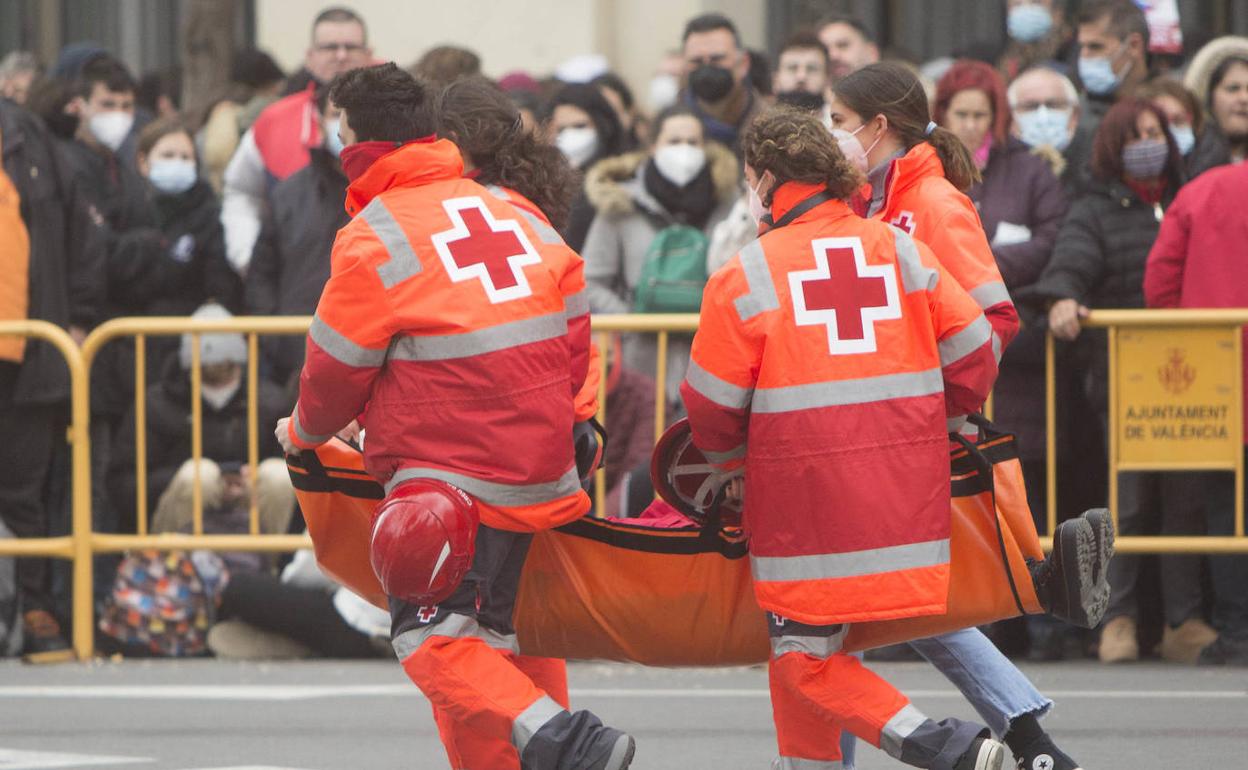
column 984, row 466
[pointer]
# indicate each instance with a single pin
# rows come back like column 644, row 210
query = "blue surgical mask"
column 1043, row 127
column 1184, row 137
column 172, row 176
column 1098, row 76
column 1028, row 23
column 333, row 142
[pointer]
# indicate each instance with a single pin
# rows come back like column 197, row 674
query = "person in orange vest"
column 828, row 355
column 455, row 327
column 918, row 175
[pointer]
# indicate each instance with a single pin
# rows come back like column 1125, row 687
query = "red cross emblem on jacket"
column 905, row 221
column 479, row 246
column 845, row 294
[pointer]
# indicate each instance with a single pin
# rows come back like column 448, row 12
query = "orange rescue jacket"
column 829, row 354
column 460, row 320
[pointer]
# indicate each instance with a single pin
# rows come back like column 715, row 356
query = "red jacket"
column 828, row 356
column 1200, row 257
column 464, row 328
column 922, row 202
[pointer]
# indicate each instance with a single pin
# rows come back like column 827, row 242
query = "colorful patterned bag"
column 164, row 602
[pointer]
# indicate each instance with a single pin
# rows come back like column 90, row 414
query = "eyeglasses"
column 335, row 47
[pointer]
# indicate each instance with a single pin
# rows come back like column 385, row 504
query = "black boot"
column 1073, row 583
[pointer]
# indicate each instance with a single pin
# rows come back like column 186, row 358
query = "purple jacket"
column 1020, row 188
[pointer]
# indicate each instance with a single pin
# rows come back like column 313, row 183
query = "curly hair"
column 384, row 103
column 795, row 146
column 485, row 124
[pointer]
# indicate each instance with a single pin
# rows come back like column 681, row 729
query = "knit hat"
column 227, row 347
column 1208, row 59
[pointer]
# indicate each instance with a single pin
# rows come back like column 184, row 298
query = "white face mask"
column 757, row 209
column 218, row 396
column 851, row 148
column 578, row 145
column 111, row 128
column 663, row 92
column 680, row 163
column 867, row 152
column 172, row 175
column 333, row 142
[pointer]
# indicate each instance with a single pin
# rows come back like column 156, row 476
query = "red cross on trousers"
column 844, row 294
column 426, row 613
column 480, row 246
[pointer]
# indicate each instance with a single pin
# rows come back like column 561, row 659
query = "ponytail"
column 959, row 167
column 894, row 91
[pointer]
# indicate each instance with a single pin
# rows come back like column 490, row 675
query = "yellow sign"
column 1179, row 396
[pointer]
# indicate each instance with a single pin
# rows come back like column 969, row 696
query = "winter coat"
column 460, row 322
column 118, row 195
column 169, row 433
column 1200, row 258
column 627, row 220
column 290, row 264
column 1019, row 188
column 176, row 264
column 67, row 249
column 834, row 400
column 1099, row 260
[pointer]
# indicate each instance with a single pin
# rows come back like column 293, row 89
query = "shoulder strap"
column 801, row 208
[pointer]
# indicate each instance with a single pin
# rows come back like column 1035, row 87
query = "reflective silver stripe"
column 872, row 561
column 494, row 493
column 815, row 646
column 719, row 458
column 839, row 393
column 965, row 342
column 304, row 436
column 720, row 391
column 955, row 424
column 443, row 347
column 545, row 232
column 456, row 627
column 996, row 346
column 533, row 719
column 576, row 304
column 403, row 263
column 900, row 727
column 989, row 294
column 795, row 763
column 343, row 350
column 915, row 276
column 499, row 192
column 762, row 296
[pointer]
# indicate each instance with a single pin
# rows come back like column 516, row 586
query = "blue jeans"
column 993, row 685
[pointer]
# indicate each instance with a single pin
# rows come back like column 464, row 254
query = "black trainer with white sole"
column 1073, row 583
column 984, row 754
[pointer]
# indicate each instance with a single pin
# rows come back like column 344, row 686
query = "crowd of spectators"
column 1110, row 175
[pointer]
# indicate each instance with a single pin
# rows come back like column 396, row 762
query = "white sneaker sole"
column 991, row 756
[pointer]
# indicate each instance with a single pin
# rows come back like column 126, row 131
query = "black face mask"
column 710, row 83
column 803, row 100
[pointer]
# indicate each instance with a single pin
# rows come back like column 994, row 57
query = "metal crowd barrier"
column 83, row 543
column 1164, row 337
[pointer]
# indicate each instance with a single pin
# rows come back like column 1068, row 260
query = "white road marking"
column 312, row 692
column 12, row 759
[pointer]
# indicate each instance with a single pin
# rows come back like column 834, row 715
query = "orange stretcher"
column 682, row 595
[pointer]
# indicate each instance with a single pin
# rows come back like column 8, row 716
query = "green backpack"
column 674, row 274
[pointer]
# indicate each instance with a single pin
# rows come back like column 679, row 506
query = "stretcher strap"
column 984, row 466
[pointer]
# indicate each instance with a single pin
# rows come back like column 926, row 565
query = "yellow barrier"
column 1230, row 391
column 83, row 542
column 77, row 545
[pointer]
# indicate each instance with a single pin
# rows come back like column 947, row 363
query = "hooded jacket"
column 457, row 324
column 834, row 394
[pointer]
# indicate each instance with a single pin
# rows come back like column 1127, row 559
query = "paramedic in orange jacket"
column 918, row 174
column 458, row 328
column 829, row 353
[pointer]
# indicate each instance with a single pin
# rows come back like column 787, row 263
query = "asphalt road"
column 197, row 715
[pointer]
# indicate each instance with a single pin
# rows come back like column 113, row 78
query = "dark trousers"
column 1229, row 573
column 28, row 436
column 306, row 615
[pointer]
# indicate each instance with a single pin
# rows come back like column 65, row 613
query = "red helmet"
column 423, row 538
column 686, row 480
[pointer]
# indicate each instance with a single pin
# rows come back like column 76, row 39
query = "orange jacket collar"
column 917, row 164
column 792, row 193
column 412, row 165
